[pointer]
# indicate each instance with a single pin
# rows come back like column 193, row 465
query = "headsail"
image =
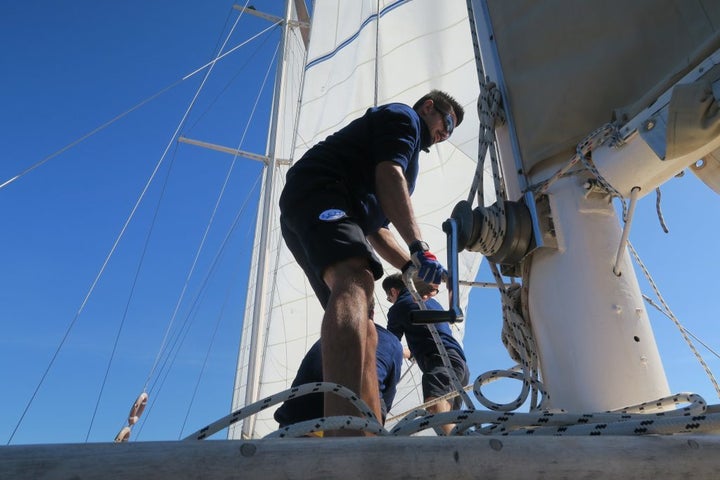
column 361, row 54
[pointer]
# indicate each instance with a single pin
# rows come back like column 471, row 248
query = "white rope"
column 666, row 310
column 607, row 132
column 127, row 112
column 211, row 65
column 519, row 341
column 423, row 406
column 319, row 387
column 658, row 209
column 691, row 418
column 652, row 417
column 459, row 388
column 514, row 373
column 303, row 429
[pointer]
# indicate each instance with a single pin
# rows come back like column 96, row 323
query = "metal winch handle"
column 431, row 317
column 454, row 314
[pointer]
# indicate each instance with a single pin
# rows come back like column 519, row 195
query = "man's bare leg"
column 441, row 407
column 370, row 388
column 348, row 351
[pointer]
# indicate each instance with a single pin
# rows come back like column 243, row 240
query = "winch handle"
column 454, row 314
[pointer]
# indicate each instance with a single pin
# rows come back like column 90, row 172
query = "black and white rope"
column 691, row 418
column 607, row 132
column 320, row 387
column 459, row 387
column 655, row 417
column 519, row 341
column 644, row 418
column 308, row 427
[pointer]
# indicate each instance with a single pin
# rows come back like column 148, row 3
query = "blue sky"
column 66, row 71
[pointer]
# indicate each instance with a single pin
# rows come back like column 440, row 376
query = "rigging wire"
column 131, row 294
column 266, row 38
column 666, row 310
column 89, row 134
column 221, row 251
column 181, row 335
column 126, row 112
column 209, row 66
column 217, row 204
column 166, row 353
column 697, row 339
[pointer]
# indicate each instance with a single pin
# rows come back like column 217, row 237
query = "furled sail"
column 588, row 62
column 361, row 53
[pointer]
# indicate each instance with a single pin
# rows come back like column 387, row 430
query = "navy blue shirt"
column 392, row 132
column 419, row 339
column 308, row 407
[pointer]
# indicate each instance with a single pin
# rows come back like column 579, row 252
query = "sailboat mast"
column 261, row 280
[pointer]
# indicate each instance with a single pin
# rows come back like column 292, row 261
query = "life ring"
column 137, row 409
column 123, row 435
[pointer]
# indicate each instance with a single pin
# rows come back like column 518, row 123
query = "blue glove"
column 429, row 269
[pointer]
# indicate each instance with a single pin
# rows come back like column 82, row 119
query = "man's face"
column 441, row 123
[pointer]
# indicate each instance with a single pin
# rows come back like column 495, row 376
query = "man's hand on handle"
column 429, row 268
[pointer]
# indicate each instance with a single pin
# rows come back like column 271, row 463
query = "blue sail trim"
column 352, row 38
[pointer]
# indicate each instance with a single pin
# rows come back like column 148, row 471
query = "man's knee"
column 353, row 272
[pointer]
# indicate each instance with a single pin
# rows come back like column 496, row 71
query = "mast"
column 261, row 279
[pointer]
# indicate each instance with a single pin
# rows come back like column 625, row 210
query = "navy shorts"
column 318, row 226
column 436, row 379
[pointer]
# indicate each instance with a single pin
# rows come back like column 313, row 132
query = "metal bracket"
column 653, row 131
column 545, row 224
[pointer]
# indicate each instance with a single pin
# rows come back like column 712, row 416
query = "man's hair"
column 396, row 281
column 393, row 281
column 444, row 102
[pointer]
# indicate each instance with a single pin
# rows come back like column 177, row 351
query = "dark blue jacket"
column 419, row 339
column 308, row 407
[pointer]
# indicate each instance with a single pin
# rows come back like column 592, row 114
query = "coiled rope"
column 642, row 419
column 369, row 423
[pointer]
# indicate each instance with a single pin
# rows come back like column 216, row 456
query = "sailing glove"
column 429, row 269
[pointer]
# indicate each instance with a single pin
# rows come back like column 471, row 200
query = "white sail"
column 363, row 53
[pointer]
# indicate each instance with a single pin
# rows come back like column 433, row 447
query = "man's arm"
column 392, row 192
column 394, row 324
column 394, row 198
column 384, row 243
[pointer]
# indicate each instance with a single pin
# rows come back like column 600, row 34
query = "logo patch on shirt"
column 332, row 215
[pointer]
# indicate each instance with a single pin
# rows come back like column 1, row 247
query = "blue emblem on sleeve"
column 332, row 215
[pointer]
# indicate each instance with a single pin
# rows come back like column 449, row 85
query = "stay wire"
column 682, row 327
column 127, row 112
column 666, row 310
column 209, row 66
column 162, row 352
column 221, row 251
column 131, row 294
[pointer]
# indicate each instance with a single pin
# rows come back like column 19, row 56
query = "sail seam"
column 354, row 36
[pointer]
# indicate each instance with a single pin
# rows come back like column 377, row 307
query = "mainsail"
column 361, row 53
